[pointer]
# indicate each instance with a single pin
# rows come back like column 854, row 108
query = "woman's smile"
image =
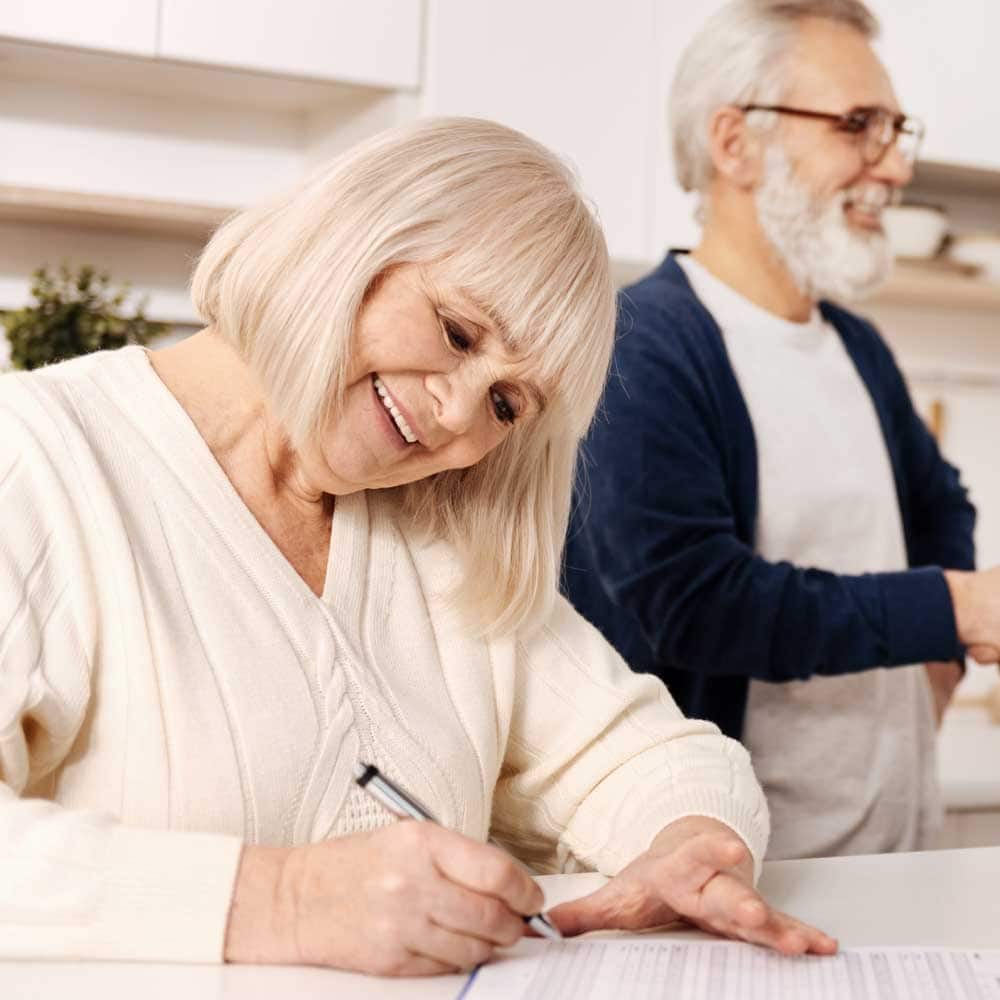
column 392, row 415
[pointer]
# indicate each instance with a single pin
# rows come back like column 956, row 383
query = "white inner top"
column 847, row 762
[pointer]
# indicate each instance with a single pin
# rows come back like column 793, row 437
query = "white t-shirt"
column 847, row 762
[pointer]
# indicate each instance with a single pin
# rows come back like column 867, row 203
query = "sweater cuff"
column 747, row 824
column 167, row 896
column 641, row 818
column 920, row 620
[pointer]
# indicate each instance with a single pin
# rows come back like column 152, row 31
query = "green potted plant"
column 73, row 313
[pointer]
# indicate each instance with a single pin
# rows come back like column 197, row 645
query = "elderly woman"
column 327, row 529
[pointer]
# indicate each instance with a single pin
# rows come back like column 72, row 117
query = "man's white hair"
column 741, row 56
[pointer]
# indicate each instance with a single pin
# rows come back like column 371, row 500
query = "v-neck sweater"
column 171, row 689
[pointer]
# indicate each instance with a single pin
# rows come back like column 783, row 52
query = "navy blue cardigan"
column 660, row 552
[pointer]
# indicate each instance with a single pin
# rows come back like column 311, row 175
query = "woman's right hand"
column 410, row 899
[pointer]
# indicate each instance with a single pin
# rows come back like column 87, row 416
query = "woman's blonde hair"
column 502, row 219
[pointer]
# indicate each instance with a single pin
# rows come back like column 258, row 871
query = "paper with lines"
column 659, row 969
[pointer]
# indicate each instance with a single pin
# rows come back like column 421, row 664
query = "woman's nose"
column 459, row 399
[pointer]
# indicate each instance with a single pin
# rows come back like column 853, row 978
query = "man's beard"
column 812, row 238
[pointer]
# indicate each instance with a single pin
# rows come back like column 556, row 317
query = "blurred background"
column 130, row 128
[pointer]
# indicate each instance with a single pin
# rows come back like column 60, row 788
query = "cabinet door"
column 578, row 78
column 375, row 42
column 118, row 25
column 943, row 61
column 969, row 430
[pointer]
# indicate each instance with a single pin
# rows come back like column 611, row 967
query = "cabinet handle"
column 936, row 419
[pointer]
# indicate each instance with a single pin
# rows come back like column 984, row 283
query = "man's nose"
column 894, row 168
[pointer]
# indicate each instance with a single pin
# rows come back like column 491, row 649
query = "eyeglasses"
column 877, row 129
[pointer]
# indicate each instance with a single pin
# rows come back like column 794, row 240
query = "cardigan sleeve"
column 659, row 545
column 600, row 759
column 76, row 884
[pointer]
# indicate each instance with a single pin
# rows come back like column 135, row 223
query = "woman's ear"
column 737, row 150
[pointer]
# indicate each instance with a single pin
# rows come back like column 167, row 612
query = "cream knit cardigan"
column 170, row 689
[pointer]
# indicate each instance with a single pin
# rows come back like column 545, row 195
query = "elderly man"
column 765, row 521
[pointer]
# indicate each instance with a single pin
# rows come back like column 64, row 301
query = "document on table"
column 659, row 969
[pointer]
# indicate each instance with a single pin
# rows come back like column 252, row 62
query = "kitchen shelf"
column 917, row 285
column 145, row 216
column 945, row 178
column 909, row 285
column 123, row 74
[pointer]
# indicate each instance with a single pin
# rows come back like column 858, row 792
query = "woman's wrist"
column 261, row 925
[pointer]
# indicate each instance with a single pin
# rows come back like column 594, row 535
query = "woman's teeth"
column 404, row 427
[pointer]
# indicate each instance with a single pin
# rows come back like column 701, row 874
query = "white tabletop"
column 948, row 898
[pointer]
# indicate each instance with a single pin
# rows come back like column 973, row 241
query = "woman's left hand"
column 697, row 870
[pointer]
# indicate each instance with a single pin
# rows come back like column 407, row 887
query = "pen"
column 400, row 804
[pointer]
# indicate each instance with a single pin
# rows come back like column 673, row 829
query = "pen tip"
column 360, row 770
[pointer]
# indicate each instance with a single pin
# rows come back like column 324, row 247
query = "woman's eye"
column 505, row 413
column 457, row 337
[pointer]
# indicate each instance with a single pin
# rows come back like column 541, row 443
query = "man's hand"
column 697, row 870
column 943, row 678
column 975, row 598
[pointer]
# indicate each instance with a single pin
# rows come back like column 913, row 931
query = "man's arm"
column 660, row 533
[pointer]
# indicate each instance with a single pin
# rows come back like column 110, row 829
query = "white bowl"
column 982, row 249
column 915, row 230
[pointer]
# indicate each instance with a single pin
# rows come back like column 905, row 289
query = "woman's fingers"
column 451, row 948
column 483, row 869
column 596, row 911
column 484, row 917
column 789, row 936
column 654, row 889
column 728, row 899
column 731, row 907
column 417, row 965
column 696, row 862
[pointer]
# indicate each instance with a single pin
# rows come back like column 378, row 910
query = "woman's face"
column 431, row 386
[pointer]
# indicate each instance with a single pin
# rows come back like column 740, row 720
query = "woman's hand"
column 411, row 899
column 698, row 870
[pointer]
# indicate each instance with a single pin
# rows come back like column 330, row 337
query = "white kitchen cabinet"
column 968, row 750
column 971, row 426
column 674, row 209
column 580, row 79
column 943, row 61
column 373, row 42
column 127, row 26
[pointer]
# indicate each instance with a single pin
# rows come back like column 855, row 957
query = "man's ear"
column 737, row 151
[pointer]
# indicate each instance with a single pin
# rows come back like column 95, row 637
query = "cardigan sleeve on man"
column 657, row 557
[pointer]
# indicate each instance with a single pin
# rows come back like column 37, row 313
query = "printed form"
column 657, row 969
